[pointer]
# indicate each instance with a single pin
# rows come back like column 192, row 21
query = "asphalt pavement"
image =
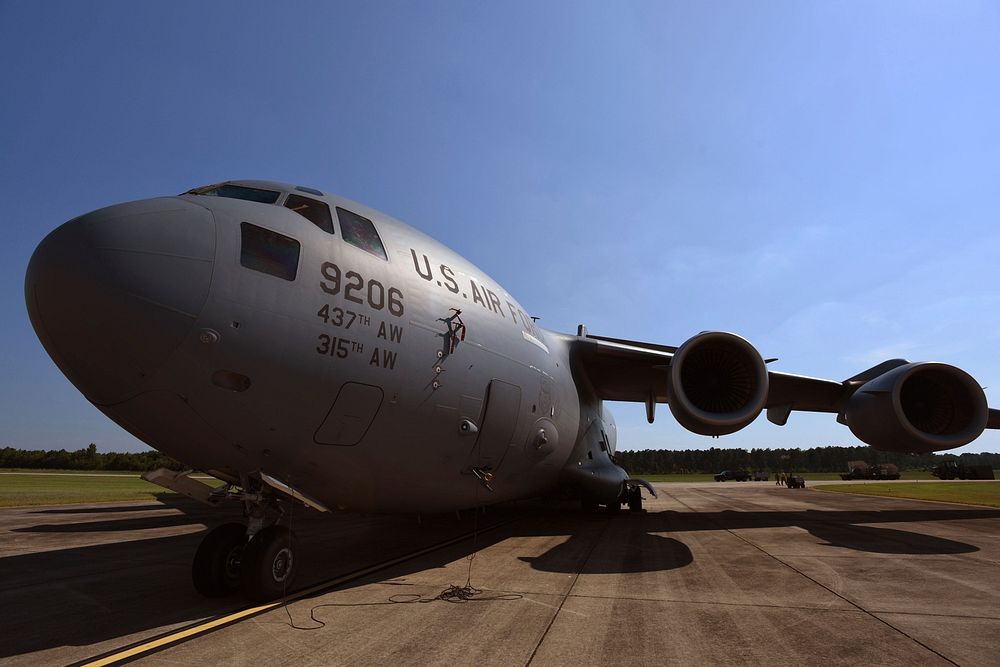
column 709, row 574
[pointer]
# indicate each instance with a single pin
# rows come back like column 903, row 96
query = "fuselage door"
column 499, row 423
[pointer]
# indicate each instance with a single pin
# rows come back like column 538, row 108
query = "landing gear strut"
column 631, row 495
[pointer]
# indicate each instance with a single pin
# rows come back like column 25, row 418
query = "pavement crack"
column 854, row 604
column 712, row 603
column 567, row 594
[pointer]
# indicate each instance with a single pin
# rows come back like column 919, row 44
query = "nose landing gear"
column 261, row 569
column 269, row 565
column 259, row 559
column 217, row 564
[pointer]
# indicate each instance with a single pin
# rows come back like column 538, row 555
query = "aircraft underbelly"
column 167, row 422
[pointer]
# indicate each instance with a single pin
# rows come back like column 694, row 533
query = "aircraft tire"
column 269, row 564
column 215, row 570
column 634, row 499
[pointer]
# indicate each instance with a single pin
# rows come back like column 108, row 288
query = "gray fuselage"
column 349, row 375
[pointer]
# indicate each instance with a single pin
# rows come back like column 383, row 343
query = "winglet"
column 875, row 371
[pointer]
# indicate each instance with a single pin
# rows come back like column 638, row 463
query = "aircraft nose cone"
column 112, row 293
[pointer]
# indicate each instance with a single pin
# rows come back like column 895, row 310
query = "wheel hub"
column 233, row 560
column 281, row 566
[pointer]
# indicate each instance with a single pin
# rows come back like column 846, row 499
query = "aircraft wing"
column 625, row 370
column 632, row 371
column 620, row 370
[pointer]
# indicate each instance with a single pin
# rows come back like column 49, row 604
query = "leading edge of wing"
column 622, row 370
column 608, row 343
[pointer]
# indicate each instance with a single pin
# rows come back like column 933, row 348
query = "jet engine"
column 918, row 408
column 717, row 383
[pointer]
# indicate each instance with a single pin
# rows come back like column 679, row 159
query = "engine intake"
column 918, row 408
column 717, row 383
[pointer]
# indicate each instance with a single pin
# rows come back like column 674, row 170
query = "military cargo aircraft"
column 304, row 348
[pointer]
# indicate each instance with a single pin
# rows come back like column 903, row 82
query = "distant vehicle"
column 738, row 475
column 760, row 476
column 954, row 470
column 861, row 470
column 796, row 482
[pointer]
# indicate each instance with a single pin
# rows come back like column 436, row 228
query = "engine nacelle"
column 717, row 383
column 918, row 408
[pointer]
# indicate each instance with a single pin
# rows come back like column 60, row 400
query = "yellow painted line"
column 208, row 626
column 180, row 636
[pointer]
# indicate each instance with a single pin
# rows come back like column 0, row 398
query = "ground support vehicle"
column 861, row 470
column 954, row 470
column 738, row 475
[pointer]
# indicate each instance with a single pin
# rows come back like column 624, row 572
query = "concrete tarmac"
column 724, row 574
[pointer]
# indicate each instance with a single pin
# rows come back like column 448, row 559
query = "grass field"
column 966, row 493
column 50, row 488
column 809, row 477
column 676, row 478
column 64, row 487
column 59, row 471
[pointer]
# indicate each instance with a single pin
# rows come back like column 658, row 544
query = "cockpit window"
column 312, row 191
column 360, row 232
column 237, row 192
column 316, row 212
column 268, row 252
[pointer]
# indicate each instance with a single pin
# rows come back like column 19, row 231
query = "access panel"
column 350, row 416
column 496, row 432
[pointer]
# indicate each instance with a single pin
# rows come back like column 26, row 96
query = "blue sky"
column 821, row 178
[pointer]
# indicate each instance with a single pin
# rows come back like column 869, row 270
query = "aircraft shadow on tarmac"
column 843, row 529
column 114, row 509
column 87, row 594
column 111, row 525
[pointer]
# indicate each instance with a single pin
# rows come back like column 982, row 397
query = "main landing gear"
column 258, row 559
column 631, row 495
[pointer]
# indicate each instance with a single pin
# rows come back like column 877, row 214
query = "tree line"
column 814, row 459
column 86, row 459
column 644, row 462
